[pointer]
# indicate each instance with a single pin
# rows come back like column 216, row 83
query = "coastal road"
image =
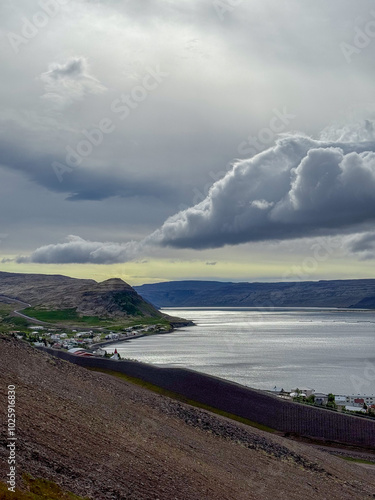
column 24, row 305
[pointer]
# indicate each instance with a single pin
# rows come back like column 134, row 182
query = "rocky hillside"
column 105, row 438
column 338, row 293
column 110, row 299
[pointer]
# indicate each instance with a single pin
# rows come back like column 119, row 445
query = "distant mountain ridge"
column 335, row 293
column 112, row 298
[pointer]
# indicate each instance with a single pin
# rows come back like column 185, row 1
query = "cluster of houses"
column 83, row 340
column 364, row 403
column 134, row 331
column 62, row 340
column 358, row 403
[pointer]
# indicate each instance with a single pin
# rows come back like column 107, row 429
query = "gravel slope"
column 99, row 436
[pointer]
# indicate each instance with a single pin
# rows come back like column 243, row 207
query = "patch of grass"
column 5, row 309
column 92, row 320
column 52, row 316
column 71, row 316
column 68, row 315
column 183, row 399
column 16, row 321
column 38, row 489
column 128, row 303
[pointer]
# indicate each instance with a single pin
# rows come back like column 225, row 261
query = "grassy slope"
column 71, row 316
column 38, row 489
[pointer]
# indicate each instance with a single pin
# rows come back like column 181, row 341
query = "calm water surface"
column 323, row 349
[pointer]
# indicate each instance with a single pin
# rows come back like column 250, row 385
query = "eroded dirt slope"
column 99, row 436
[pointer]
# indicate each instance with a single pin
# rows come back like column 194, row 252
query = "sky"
column 162, row 140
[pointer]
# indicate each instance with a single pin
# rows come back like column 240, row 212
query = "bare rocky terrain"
column 100, row 436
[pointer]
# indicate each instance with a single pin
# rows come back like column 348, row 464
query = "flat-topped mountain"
column 336, row 293
column 109, row 299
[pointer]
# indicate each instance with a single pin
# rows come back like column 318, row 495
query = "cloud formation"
column 69, row 82
column 299, row 188
column 226, row 76
column 362, row 244
column 76, row 250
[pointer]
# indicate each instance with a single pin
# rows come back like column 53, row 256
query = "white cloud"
column 69, row 82
column 299, row 188
column 78, row 251
column 226, row 77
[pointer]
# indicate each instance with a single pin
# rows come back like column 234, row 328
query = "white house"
column 355, row 408
column 340, row 400
column 304, row 391
column 116, row 355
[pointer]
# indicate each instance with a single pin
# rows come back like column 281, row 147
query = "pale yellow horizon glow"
column 259, row 268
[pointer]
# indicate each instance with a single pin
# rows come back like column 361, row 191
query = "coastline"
column 242, row 346
column 168, row 433
column 174, row 327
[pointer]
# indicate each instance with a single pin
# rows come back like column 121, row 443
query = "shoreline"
column 201, row 346
column 132, row 337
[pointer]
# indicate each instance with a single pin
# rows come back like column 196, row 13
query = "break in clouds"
column 299, row 188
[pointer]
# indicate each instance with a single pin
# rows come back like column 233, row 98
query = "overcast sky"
column 176, row 139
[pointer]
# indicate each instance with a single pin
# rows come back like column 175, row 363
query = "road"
column 24, row 305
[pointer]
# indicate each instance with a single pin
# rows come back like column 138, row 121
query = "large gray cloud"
column 299, row 188
column 226, row 76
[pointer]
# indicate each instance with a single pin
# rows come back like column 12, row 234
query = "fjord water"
column 329, row 350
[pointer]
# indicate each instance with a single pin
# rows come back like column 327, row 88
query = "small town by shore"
column 359, row 404
column 91, row 339
column 96, row 342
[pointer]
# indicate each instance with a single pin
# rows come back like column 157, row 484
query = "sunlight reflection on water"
column 285, row 347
